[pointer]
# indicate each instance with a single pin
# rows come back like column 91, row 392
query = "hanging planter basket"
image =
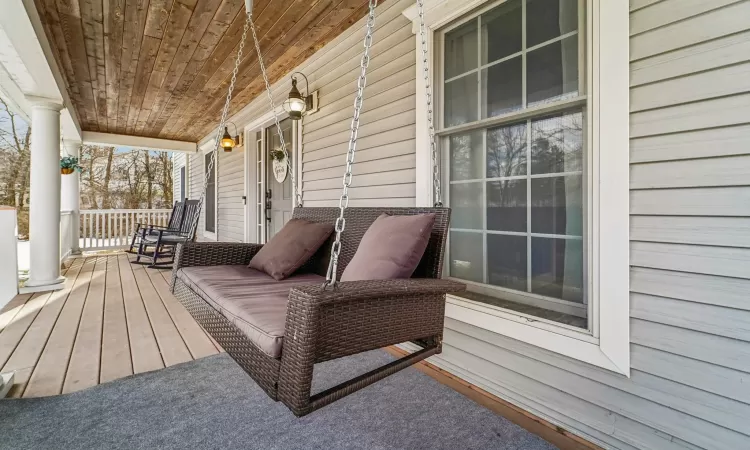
column 69, row 164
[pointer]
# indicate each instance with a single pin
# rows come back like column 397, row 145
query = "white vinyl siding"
column 231, row 186
column 690, row 253
column 196, row 176
column 384, row 172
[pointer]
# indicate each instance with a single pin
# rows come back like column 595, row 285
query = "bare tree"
column 15, row 153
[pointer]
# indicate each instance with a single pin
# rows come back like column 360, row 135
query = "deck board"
column 12, row 308
column 14, row 332
column 49, row 373
column 111, row 320
column 29, row 350
column 173, row 348
column 83, row 369
column 197, row 341
column 115, row 359
column 143, row 346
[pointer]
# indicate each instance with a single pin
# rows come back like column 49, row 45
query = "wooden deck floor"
column 113, row 319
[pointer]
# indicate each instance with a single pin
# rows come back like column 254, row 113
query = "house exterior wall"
column 690, row 308
column 690, row 216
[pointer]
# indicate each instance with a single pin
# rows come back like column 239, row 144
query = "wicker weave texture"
column 262, row 368
column 324, row 324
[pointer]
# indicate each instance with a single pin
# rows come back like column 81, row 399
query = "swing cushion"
column 291, row 247
column 252, row 300
column 391, row 248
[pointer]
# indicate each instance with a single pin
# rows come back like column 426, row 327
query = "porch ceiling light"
column 227, row 141
column 298, row 103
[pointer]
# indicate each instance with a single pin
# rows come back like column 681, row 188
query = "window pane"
column 557, row 144
column 556, row 205
column 466, row 203
column 502, row 88
column 506, row 261
column 466, row 256
column 461, row 50
column 557, row 268
column 552, row 72
column 506, row 205
column 506, row 151
column 501, row 31
column 466, row 156
column 461, row 100
column 548, row 19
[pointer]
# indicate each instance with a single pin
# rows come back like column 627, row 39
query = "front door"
column 279, row 195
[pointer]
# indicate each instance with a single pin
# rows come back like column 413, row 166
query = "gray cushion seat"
column 252, row 300
column 167, row 237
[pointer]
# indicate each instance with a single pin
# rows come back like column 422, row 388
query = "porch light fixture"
column 298, row 103
column 227, row 142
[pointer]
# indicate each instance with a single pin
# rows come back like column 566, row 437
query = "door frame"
column 251, row 183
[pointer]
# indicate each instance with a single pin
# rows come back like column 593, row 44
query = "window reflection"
column 506, row 151
column 466, row 156
column 461, row 100
column 548, row 19
column 557, row 144
column 506, row 205
column 557, row 268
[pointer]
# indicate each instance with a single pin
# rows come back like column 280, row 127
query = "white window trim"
column 609, row 345
column 207, row 148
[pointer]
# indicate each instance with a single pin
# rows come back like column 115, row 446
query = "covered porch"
column 114, row 319
column 593, row 155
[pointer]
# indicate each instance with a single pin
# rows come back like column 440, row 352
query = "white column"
column 44, row 197
column 70, row 199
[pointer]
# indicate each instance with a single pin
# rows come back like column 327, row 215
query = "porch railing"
column 113, row 228
column 66, row 234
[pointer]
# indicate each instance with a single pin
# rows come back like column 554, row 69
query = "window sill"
column 532, row 313
column 565, row 340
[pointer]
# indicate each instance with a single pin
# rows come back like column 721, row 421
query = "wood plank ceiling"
column 161, row 68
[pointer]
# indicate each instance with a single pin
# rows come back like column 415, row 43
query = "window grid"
column 529, row 176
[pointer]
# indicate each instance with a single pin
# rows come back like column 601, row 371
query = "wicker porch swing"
column 320, row 321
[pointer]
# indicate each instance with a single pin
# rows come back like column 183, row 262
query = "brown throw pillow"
column 391, row 248
column 290, row 248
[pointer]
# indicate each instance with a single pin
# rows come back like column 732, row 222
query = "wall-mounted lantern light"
column 227, row 141
column 299, row 103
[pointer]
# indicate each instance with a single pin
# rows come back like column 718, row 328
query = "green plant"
column 70, row 162
column 277, row 154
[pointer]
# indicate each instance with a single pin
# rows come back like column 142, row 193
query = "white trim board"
column 608, row 345
column 140, row 142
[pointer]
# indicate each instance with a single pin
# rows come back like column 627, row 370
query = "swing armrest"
column 361, row 315
column 214, row 254
column 373, row 289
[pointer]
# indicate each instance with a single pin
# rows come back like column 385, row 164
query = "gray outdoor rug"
column 212, row 404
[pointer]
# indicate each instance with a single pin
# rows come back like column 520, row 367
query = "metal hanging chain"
column 297, row 196
column 347, row 181
column 222, row 123
column 428, row 92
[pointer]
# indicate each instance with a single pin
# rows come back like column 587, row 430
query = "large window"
column 514, row 138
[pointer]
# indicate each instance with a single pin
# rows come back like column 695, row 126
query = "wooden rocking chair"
column 175, row 218
column 159, row 243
